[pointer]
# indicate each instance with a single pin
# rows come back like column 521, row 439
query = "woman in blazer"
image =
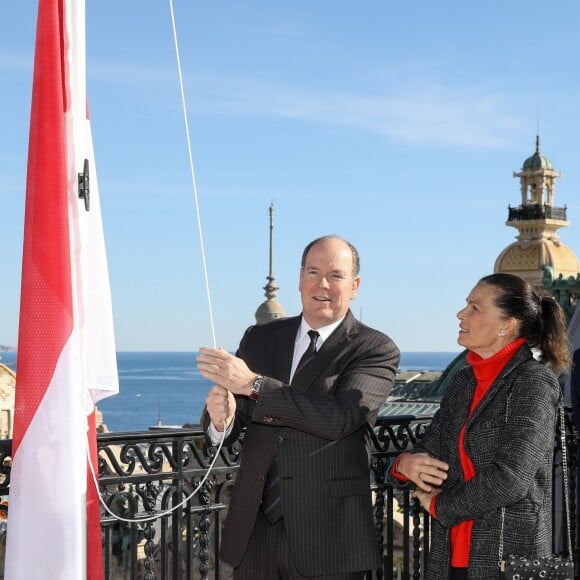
column 490, row 445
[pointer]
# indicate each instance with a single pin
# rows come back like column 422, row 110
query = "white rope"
column 212, row 326
column 192, row 175
column 162, row 513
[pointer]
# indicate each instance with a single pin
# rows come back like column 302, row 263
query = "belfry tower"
column 270, row 309
column 538, row 255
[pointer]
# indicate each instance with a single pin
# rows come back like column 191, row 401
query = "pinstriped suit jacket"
column 510, row 439
column 317, row 429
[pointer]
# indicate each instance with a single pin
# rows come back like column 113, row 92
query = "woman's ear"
column 509, row 326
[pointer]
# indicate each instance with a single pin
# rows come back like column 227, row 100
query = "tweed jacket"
column 318, row 430
column 510, row 440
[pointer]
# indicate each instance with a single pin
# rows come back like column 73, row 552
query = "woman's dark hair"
column 542, row 320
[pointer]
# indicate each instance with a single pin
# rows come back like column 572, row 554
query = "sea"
column 165, row 388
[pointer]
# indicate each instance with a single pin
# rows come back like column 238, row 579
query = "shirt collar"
column 324, row 331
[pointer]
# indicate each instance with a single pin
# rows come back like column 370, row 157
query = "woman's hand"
column 423, row 470
column 426, row 498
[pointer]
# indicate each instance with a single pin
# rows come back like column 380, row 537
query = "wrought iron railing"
column 144, row 477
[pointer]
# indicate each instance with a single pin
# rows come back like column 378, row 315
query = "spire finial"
column 270, row 288
column 270, row 309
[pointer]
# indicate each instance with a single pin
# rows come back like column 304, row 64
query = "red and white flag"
column 66, row 349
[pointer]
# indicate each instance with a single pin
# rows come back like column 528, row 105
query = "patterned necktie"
column 309, row 352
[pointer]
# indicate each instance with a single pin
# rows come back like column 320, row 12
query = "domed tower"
column 270, row 309
column 538, row 254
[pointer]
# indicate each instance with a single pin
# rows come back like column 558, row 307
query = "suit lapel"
column 332, row 346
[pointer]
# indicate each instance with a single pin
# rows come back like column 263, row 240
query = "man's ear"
column 355, row 287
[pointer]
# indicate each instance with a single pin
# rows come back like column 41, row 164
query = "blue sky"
column 396, row 125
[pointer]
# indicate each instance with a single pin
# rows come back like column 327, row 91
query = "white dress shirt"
column 303, row 340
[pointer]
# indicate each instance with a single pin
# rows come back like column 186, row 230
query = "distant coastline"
column 6, row 348
column 166, row 387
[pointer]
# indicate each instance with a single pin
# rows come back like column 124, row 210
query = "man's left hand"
column 226, row 370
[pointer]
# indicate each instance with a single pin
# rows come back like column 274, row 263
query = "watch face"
column 256, row 387
column 257, row 384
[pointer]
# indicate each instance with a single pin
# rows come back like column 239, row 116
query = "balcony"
column 143, row 476
column 536, row 212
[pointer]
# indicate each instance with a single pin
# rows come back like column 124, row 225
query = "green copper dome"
column 537, row 160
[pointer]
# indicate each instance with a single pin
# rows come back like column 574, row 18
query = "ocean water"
column 166, row 387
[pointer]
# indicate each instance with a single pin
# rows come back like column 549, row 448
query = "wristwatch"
column 256, row 387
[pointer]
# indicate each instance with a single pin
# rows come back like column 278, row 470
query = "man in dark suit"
column 301, row 505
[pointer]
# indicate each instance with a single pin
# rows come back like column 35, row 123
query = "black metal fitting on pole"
column 84, row 191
